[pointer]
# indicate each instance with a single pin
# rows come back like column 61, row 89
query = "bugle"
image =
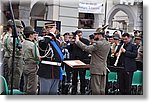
column 116, row 62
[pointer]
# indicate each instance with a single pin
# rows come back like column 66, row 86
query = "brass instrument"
column 116, row 62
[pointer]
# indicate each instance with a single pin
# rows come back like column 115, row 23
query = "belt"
column 51, row 63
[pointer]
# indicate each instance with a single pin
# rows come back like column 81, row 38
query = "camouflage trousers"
column 98, row 84
column 17, row 73
column 30, row 78
column 6, row 70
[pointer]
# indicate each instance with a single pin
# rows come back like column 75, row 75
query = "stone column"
column 0, row 14
column 68, row 15
column 52, row 10
column 98, row 20
column 139, row 20
column 130, row 27
column 24, row 12
column 2, row 24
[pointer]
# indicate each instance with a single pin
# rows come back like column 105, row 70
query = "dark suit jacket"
column 78, row 53
column 127, row 59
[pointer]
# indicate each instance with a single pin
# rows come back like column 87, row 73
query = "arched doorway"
column 127, row 10
column 120, row 21
column 37, row 12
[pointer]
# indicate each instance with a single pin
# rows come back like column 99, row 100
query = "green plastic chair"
column 137, row 82
column 5, row 90
column 3, row 86
column 137, row 78
column 112, row 80
column 88, row 75
column 112, row 77
column 64, row 72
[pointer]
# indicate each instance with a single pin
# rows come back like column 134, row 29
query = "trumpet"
column 116, row 62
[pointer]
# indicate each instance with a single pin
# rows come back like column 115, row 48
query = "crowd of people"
column 39, row 59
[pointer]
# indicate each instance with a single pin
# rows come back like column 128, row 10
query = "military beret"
column 28, row 30
column 17, row 22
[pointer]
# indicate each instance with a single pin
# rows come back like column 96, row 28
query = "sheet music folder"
column 76, row 64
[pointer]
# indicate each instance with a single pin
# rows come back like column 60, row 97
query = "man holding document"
column 98, row 66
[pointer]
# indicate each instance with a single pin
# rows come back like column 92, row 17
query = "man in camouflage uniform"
column 31, row 57
column 8, row 49
column 99, row 51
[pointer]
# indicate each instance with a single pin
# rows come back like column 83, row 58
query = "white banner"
column 131, row 2
column 91, row 7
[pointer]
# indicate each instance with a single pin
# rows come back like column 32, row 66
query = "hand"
column 123, row 50
column 77, row 38
column 117, row 54
column 39, row 58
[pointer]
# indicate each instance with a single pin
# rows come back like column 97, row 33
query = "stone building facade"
column 126, row 16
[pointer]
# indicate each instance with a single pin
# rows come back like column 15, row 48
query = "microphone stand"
column 14, row 47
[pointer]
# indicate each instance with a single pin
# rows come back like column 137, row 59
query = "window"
column 86, row 20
